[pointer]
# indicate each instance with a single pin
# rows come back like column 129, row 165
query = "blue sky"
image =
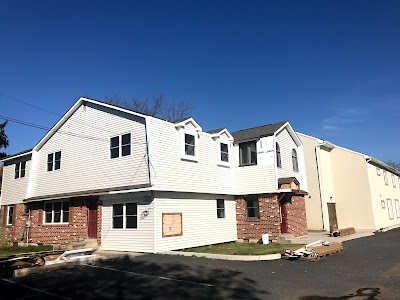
column 331, row 68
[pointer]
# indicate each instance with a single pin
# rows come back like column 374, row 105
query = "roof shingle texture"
column 257, row 132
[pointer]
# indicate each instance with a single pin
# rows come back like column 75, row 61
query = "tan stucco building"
column 348, row 189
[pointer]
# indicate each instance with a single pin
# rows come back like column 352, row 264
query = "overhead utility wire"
column 49, row 129
column 59, row 131
column 53, row 113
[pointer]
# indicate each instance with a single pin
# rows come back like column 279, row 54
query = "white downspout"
column 318, row 160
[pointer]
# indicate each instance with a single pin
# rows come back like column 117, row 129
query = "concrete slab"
column 324, row 235
column 225, row 256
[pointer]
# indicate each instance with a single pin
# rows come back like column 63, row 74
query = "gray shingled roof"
column 215, row 130
column 257, row 132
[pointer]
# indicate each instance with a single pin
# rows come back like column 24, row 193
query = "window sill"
column 225, row 165
column 189, row 158
column 247, row 165
column 253, row 219
column 55, row 224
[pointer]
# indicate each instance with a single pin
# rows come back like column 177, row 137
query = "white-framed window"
column 278, row 156
column 394, row 180
column 120, row 145
column 56, row 212
column 54, row 161
column 124, row 215
column 383, row 204
column 295, row 161
column 397, row 207
column 390, row 208
column 252, row 207
column 378, row 171
column 220, row 208
column 10, row 214
column 248, row 153
column 385, row 178
column 190, row 148
column 399, row 182
column 223, row 157
column 19, row 171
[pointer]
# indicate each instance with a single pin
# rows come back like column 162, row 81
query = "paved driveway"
column 368, row 268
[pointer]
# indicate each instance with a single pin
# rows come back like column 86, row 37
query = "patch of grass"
column 240, row 248
column 10, row 250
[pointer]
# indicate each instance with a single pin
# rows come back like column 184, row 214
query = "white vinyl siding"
column 14, row 190
column 200, row 225
column 140, row 239
column 286, row 145
column 86, row 163
column 171, row 172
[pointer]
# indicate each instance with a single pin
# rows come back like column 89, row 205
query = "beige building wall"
column 313, row 199
column 351, row 189
column 382, row 194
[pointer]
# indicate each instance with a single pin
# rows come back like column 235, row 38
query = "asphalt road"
column 368, row 268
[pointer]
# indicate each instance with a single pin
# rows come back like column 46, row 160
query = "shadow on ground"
column 361, row 294
column 127, row 278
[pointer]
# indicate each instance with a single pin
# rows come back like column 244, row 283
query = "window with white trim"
column 189, row 145
column 120, row 145
column 10, row 214
column 223, row 153
column 278, row 156
column 124, row 215
column 378, row 171
column 19, row 171
column 252, row 207
column 390, row 208
column 220, row 208
column 56, row 212
column 394, row 180
column 54, row 161
column 248, row 153
column 399, row 182
column 397, row 207
column 295, row 162
column 385, row 178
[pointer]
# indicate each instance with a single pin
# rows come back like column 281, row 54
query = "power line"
column 58, row 131
column 53, row 113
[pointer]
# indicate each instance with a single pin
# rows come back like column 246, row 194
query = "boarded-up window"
column 171, row 224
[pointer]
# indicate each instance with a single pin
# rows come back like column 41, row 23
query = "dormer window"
column 248, row 153
column 189, row 145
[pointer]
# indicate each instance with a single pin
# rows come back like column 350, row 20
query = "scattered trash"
column 313, row 251
column 73, row 255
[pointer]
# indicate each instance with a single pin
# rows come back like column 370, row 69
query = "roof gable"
column 73, row 109
column 188, row 123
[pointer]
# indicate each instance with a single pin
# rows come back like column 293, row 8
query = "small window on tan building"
column 385, row 177
column 171, row 224
column 378, row 171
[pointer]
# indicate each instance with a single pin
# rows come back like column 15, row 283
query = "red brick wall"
column 99, row 219
column 268, row 222
column 49, row 233
column 296, row 216
column 13, row 232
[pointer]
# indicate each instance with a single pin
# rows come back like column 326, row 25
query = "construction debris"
column 73, row 255
column 313, row 251
column 343, row 232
